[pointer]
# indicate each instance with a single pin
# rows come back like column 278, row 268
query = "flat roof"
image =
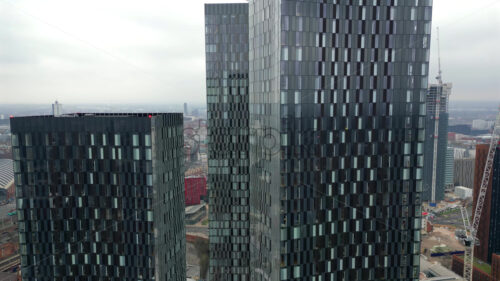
column 6, row 172
column 6, row 209
column 193, row 209
column 100, row 114
column 438, row 271
column 8, row 276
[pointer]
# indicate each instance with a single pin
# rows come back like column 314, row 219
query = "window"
column 15, row 140
column 284, row 139
column 299, row 54
column 284, row 53
column 284, row 274
column 117, row 140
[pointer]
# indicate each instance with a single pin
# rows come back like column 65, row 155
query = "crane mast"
column 471, row 230
column 440, row 74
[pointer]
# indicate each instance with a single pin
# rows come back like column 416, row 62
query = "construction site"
column 459, row 232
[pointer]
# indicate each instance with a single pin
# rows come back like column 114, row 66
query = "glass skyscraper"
column 100, row 196
column 437, row 99
column 337, row 92
column 494, row 224
column 226, row 43
column 336, row 118
column 449, row 169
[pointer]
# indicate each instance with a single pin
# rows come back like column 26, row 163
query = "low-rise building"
column 6, row 180
column 482, row 270
column 463, row 192
column 195, row 189
column 195, row 213
column 435, row 271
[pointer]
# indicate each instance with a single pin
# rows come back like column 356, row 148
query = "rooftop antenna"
column 439, row 77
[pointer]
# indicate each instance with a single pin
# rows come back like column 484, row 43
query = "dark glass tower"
column 100, row 196
column 494, row 235
column 437, row 99
column 337, row 92
column 448, row 178
column 226, row 43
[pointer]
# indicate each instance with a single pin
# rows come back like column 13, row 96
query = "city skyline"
column 250, row 140
column 130, row 53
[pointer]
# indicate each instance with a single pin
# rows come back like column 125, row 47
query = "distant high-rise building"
column 56, row 109
column 100, row 196
column 489, row 224
column 463, row 153
column 479, row 124
column 448, row 171
column 226, row 44
column 437, row 99
column 463, row 173
column 337, row 92
column 186, row 109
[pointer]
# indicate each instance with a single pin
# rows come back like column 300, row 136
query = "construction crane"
column 437, row 109
column 471, row 229
column 440, row 73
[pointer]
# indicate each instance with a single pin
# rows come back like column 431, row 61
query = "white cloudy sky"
column 123, row 51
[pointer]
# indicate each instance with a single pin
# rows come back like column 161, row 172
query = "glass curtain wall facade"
column 435, row 93
column 100, row 196
column 226, row 31
column 449, row 169
column 494, row 235
column 337, row 111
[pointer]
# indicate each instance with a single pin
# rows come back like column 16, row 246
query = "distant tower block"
column 56, row 109
column 185, row 109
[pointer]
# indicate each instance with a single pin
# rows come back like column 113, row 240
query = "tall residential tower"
column 437, row 100
column 226, row 44
column 100, row 196
column 336, row 114
column 337, row 92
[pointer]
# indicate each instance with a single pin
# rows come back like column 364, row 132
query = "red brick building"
column 452, row 136
column 495, row 266
column 489, row 223
column 481, row 251
column 457, row 266
column 11, row 191
column 478, row 275
column 8, row 249
column 195, row 189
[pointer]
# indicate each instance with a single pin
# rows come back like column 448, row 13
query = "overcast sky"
column 122, row 51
